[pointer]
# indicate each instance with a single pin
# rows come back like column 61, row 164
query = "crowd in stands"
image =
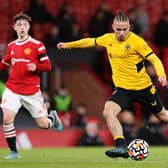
column 63, row 20
column 91, row 18
column 66, row 25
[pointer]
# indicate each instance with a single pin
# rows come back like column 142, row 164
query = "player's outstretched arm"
column 83, row 43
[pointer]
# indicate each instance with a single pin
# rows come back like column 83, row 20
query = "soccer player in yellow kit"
column 126, row 53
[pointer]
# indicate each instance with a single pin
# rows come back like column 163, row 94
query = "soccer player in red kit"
column 27, row 57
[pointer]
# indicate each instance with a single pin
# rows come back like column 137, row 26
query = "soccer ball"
column 138, row 149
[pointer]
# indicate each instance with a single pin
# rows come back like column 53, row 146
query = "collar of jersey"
column 23, row 42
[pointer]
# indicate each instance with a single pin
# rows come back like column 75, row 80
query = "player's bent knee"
column 111, row 109
column 106, row 113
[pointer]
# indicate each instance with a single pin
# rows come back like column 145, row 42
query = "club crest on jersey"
column 110, row 44
column 12, row 52
column 127, row 47
column 27, row 51
column 153, row 90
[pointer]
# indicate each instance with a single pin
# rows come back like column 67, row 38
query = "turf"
column 81, row 158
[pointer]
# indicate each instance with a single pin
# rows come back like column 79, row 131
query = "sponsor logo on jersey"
column 127, row 47
column 27, row 51
column 14, row 60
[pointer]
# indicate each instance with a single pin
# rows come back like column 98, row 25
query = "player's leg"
column 57, row 121
column 10, row 105
column 162, row 115
column 37, row 108
column 111, row 111
column 49, row 121
column 117, row 102
column 10, row 133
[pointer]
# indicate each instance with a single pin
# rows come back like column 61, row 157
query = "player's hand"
column 163, row 81
column 31, row 67
column 61, row 45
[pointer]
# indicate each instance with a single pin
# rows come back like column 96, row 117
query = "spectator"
column 65, row 20
column 142, row 19
column 77, row 32
column 53, row 37
column 90, row 137
column 78, row 117
column 99, row 23
column 62, row 99
column 135, row 26
column 107, row 12
column 161, row 32
column 38, row 12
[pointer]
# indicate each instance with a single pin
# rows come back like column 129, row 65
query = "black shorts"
column 146, row 97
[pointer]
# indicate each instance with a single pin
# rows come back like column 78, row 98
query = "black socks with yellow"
column 120, row 141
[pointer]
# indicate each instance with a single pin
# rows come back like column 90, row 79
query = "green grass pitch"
column 79, row 157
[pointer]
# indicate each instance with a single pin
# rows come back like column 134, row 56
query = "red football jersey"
column 18, row 55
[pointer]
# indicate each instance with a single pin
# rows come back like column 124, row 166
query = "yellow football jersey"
column 126, row 59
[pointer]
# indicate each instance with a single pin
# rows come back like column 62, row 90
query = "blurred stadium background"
column 85, row 72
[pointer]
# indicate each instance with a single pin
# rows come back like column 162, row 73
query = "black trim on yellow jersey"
column 140, row 65
column 148, row 54
column 95, row 42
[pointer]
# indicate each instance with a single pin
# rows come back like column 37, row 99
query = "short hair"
column 121, row 17
column 21, row 15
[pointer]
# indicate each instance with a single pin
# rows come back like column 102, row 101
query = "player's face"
column 121, row 30
column 22, row 27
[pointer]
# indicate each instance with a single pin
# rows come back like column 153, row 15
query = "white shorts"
column 33, row 103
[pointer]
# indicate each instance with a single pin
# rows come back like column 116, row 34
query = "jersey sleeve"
column 83, row 43
column 156, row 62
column 41, row 48
column 143, row 48
column 101, row 40
column 147, row 53
column 44, row 61
column 42, row 53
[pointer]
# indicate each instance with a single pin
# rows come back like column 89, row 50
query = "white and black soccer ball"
column 138, row 149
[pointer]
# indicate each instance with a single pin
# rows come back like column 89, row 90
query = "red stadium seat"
column 165, row 59
column 154, row 48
